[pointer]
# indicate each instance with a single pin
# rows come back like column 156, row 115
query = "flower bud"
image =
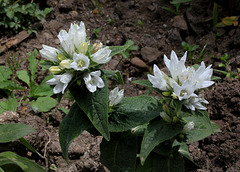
column 55, row 70
column 65, row 64
column 61, row 57
column 98, row 45
column 166, row 93
column 166, row 109
column 83, row 47
column 188, row 127
column 165, row 117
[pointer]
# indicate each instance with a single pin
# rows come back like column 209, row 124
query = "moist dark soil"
column 160, row 32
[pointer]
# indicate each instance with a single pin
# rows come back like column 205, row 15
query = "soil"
column 160, row 32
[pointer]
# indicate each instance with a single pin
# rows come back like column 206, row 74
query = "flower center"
column 81, row 63
column 183, row 93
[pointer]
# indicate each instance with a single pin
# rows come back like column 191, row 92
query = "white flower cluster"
column 73, row 56
column 183, row 82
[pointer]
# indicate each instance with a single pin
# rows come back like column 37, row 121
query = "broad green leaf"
column 172, row 163
column 33, row 63
column 147, row 167
column 24, row 163
column 94, row 105
column 121, row 49
column 13, row 131
column 43, row 104
column 10, row 85
column 183, row 149
column 132, row 112
column 11, row 168
column 25, row 143
column 203, row 126
column 156, row 133
column 119, row 154
column 145, row 83
column 72, row 125
column 24, row 76
column 114, row 74
column 41, row 90
column 10, row 104
column 1, row 170
column 5, row 73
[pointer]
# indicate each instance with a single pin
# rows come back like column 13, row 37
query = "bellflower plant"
column 141, row 133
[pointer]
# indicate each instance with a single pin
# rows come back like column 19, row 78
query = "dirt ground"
column 161, row 31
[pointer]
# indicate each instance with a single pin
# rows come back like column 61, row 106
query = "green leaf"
column 72, row 126
column 145, row 83
column 64, row 110
column 132, row 112
column 203, row 126
column 147, row 167
column 121, row 49
column 174, row 2
column 5, row 73
column 8, row 105
column 10, row 85
column 41, row 90
column 114, row 74
column 33, row 63
column 173, row 163
column 94, row 105
column 13, row 131
column 24, row 76
column 156, row 133
column 25, row 143
column 45, row 64
column 183, row 149
column 43, row 104
column 25, row 164
column 119, row 154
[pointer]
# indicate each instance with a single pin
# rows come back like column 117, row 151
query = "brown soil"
column 161, row 32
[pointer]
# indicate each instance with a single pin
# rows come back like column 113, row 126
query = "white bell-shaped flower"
column 61, row 82
column 80, row 62
column 195, row 103
column 49, row 53
column 72, row 39
column 188, row 127
column 115, row 96
column 159, row 79
column 102, row 55
column 93, row 81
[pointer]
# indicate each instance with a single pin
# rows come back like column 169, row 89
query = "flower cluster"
column 183, row 82
column 76, row 55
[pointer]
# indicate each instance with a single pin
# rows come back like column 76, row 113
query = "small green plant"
column 19, row 15
column 110, row 21
column 14, row 79
column 225, row 64
column 176, row 4
column 96, row 31
column 10, row 161
column 192, row 50
column 140, row 23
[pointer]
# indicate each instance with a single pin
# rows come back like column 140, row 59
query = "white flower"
column 80, row 62
column 72, row 39
column 159, row 79
column 165, row 117
column 115, row 96
column 176, row 67
column 93, row 80
column 185, row 91
column 61, row 82
column 202, row 76
column 49, row 53
column 102, row 55
column 195, row 103
column 188, row 127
